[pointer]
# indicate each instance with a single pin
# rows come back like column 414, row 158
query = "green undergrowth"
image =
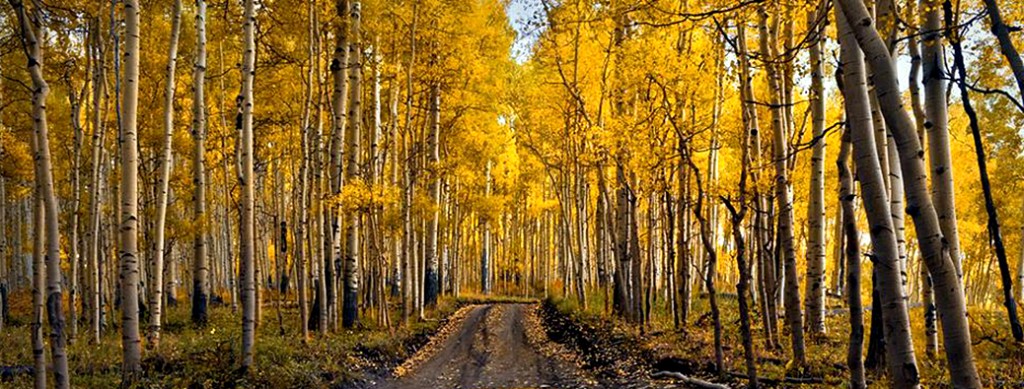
column 689, row 348
column 209, row 356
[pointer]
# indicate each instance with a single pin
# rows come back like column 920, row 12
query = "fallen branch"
column 689, row 380
column 787, row 380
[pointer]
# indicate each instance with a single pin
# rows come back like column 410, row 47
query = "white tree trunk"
column 350, row 309
column 814, row 288
column 948, row 291
column 247, row 183
column 130, row 340
column 200, row 262
column 937, row 127
column 156, row 282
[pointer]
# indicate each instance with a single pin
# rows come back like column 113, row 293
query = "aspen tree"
column 994, row 231
column 948, row 291
column 784, row 202
column 38, row 284
column 937, row 126
column 200, row 262
column 93, row 232
column 899, row 348
column 129, row 230
column 350, row 310
column 814, row 288
column 157, row 261
column 433, row 146
column 31, row 36
column 247, row 241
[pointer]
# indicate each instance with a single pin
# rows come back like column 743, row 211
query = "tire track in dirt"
column 496, row 346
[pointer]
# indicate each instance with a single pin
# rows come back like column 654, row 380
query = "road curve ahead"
column 495, row 346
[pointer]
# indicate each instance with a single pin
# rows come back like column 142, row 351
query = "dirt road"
column 495, row 346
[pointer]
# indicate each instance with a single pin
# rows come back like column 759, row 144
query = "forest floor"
column 491, row 346
column 474, row 342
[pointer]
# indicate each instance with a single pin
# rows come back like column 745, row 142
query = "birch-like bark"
column 302, row 212
column 899, row 348
column 931, row 342
column 994, row 231
column 247, row 241
column 93, row 232
column 350, row 309
column 200, row 262
column 31, row 30
column 854, row 354
column 814, row 288
column 38, row 284
column 129, row 230
column 937, row 127
column 784, row 203
column 485, row 252
column 934, row 249
column 156, row 282
column 433, row 147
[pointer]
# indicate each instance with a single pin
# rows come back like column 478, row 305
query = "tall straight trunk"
column 937, row 126
column 157, row 261
column 899, row 348
column 38, row 284
column 1002, row 33
column 302, row 212
column 200, row 264
column 350, row 310
column 854, row 355
column 927, row 296
column 784, row 203
column 75, row 245
column 994, row 232
column 683, row 240
column 814, row 288
column 93, row 232
column 623, row 303
column 433, row 147
column 485, row 252
column 247, row 241
column 407, row 265
column 129, row 230
column 5, row 271
column 339, row 118
column 765, row 273
column 948, row 291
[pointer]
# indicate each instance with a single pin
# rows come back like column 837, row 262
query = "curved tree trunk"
column 1002, row 33
column 899, row 348
column 948, row 290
